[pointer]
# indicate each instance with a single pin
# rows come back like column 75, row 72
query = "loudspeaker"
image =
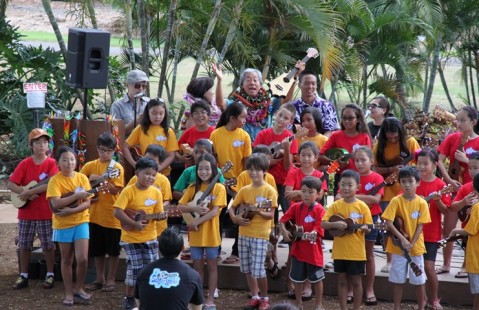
column 87, row 59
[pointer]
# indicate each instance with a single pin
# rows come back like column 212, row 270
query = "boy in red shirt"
column 35, row 215
column 307, row 253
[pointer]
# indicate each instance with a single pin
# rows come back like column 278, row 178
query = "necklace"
column 259, row 103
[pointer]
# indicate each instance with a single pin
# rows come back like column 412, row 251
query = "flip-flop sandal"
column 371, row 301
column 350, row 299
column 291, row 295
column 68, row 302
column 231, row 260
column 94, row 286
column 306, row 297
column 441, row 271
column 82, row 298
column 461, row 275
column 109, row 288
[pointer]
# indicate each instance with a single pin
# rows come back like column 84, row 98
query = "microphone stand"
column 135, row 103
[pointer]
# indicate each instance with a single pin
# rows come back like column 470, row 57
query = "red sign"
column 34, row 87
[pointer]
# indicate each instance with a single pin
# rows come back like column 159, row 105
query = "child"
column 140, row 243
column 353, row 134
column 472, row 232
column 200, row 112
column 349, row 252
column 254, row 233
column 369, row 180
column 204, row 234
column 105, row 230
column 426, row 162
column 279, row 166
column 311, row 120
column 158, row 154
column 35, row 215
column 466, row 196
column 70, row 224
column 153, row 130
column 188, row 176
column 414, row 212
column 306, row 256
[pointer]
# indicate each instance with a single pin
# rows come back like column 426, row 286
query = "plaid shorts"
column 252, row 254
column 138, row 255
column 26, row 233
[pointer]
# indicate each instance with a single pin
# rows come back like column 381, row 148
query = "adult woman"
column 379, row 108
column 200, row 88
column 260, row 106
column 393, row 149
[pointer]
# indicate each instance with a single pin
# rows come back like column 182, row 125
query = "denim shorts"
column 198, row 253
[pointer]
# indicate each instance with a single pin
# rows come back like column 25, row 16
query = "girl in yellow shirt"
column 204, row 233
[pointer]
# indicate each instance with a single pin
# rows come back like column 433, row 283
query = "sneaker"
column 283, row 244
column 263, row 304
column 253, row 303
column 129, row 303
column 21, row 282
column 217, row 293
column 48, row 282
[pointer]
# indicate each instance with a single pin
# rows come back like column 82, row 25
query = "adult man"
column 136, row 83
column 168, row 281
column 308, row 85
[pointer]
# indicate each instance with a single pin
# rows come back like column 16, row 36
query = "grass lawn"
column 44, row 36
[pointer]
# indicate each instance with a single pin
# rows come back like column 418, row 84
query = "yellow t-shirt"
column 60, row 185
column 163, row 184
column 208, row 234
column 259, row 227
column 350, row 246
column 472, row 250
column 318, row 139
column 149, row 200
column 391, row 152
column 156, row 135
column 243, row 179
column 101, row 211
column 233, row 146
column 413, row 213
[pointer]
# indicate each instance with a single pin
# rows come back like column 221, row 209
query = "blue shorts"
column 72, row 234
column 198, row 253
column 374, row 232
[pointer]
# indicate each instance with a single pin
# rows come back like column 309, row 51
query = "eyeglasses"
column 351, row 118
column 373, row 106
column 138, row 86
column 199, row 113
column 102, row 150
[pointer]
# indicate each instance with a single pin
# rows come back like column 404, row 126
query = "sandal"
column 209, row 307
column 109, row 288
column 350, row 299
column 291, row 295
column 435, row 305
column 232, row 259
column 94, row 286
column 461, row 275
column 82, row 298
column 371, row 301
column 273, row 272
column 442, row 270
column 307, row 296
column 68, row 302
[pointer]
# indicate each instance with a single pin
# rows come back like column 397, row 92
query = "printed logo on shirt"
column 260, row 199
column 416, row 214
column 163, row 279
column 355, row 147
column 43, row 176
column 150, row 202
column 309, row 219
column 368, row 186
column 238, row 143
column 78, row 189
column 161, row 138
column 470, row 150
column 355, row 215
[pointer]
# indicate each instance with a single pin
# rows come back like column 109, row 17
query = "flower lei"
column 260, row 102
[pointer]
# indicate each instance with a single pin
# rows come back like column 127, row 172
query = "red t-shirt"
column 296, row 175
column 304, row 250
column 432, row 230
column 191, row 135
column 266, row 137
column 368, row 182
column 340, row 140
column 465, row 190
column 449, row 146
column 26, row 172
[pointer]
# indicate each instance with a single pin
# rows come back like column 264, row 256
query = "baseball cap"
column 136, row 76
column 37, row 133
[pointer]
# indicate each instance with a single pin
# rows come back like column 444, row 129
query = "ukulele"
column 446, row 190
column 17, row 202
column 298, row 234
column 102, row 187
column 142, row 216
column 455, row 170
column 136, row 153
column 275, row 147
column 352, row 226
column 200, row 196
column 248, row 211
column 112, row 174
column 282, row 84
column 399, row 161
column 464, row 214
column 399, row 225
column 393, row 177
column 338, row 154
column 442, row 243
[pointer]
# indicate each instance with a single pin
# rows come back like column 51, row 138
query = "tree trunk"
column 464, row 76
column 206, row 38
column 432, row 76
column 166, row 48
column 144, row 34
column 129, row 33
column 171, row 97
column 231, row 30
column 91, row 12
column 3, row 8
column 446, row 88
column 471, row 77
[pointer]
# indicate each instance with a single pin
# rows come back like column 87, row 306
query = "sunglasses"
column 352, row 118
column 373, row 106
column 138, row 86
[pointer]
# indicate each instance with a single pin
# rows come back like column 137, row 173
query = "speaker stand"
column 85, row 103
